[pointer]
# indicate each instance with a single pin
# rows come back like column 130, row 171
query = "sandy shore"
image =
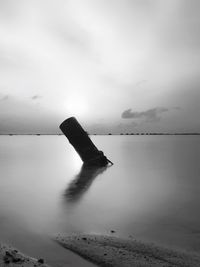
column 12, row 257
column 117, row 252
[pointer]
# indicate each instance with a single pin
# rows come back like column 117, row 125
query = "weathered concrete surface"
column 81, row 142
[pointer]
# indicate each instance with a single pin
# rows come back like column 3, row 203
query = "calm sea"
column 152, row 192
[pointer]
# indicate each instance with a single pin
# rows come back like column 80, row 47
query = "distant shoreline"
column 109, row 134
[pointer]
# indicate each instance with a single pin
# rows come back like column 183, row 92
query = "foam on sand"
column 118, row 252
column 12, row 258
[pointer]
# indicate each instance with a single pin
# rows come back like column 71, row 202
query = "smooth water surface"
column 152, row 192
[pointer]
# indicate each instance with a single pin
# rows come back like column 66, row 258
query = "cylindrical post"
column 81, row 142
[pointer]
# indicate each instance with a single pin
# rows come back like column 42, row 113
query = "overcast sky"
column 117, row 65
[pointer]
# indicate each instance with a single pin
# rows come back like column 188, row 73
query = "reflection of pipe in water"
column 83, row 145
column 82, row 182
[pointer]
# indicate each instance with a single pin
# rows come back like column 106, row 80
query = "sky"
column 117, row 65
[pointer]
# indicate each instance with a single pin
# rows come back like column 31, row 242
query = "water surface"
column 152, row 192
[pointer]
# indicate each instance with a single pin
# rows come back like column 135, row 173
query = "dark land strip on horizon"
column 39, row 134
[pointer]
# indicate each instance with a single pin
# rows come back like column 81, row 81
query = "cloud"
column 140, row 82
column 150, row 115
column 22, row 117
column 177, row 108
column 35, row 97
column 72, row 35
column 100, row 49
column 4, row 98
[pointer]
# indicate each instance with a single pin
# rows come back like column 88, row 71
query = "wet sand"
column 49, row 252
column 118, row 252
column 12, row 257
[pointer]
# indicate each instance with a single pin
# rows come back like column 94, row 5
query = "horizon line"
column 140, row 133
